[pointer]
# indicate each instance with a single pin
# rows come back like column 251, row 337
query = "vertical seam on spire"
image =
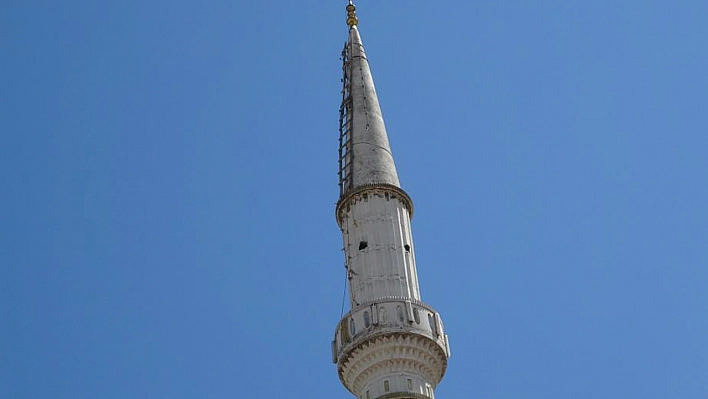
column 363, row 86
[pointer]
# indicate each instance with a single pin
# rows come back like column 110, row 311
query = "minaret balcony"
column 368, row 335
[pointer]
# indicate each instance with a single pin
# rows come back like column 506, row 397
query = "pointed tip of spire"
column 352, row 20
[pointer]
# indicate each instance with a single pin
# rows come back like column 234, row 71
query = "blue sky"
column 169, row 179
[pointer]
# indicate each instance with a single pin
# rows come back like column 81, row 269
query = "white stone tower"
column 390, row 345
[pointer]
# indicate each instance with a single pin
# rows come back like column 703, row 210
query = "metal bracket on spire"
column 352, row 20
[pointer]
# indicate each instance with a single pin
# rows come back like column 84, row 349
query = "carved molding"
column 392, row 353
column 385, row 299
column 375, row 189
column 403, row 395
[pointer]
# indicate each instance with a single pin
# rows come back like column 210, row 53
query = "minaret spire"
column 365, row 153
column 390, row 345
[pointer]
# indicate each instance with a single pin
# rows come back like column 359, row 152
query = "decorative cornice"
column 405, row 352
column 403, row 395
column 363, row 189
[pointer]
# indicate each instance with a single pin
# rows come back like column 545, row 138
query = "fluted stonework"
column 378, row 244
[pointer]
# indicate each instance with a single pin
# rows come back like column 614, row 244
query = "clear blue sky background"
column 168, row 174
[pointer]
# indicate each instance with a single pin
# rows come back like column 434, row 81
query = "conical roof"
column 368, row 158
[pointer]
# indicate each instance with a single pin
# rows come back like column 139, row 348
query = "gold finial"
column 351, row 15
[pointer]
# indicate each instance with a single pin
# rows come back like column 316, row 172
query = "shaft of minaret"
column 391, row 345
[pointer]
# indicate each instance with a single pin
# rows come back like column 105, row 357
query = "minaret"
column 390, row 345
